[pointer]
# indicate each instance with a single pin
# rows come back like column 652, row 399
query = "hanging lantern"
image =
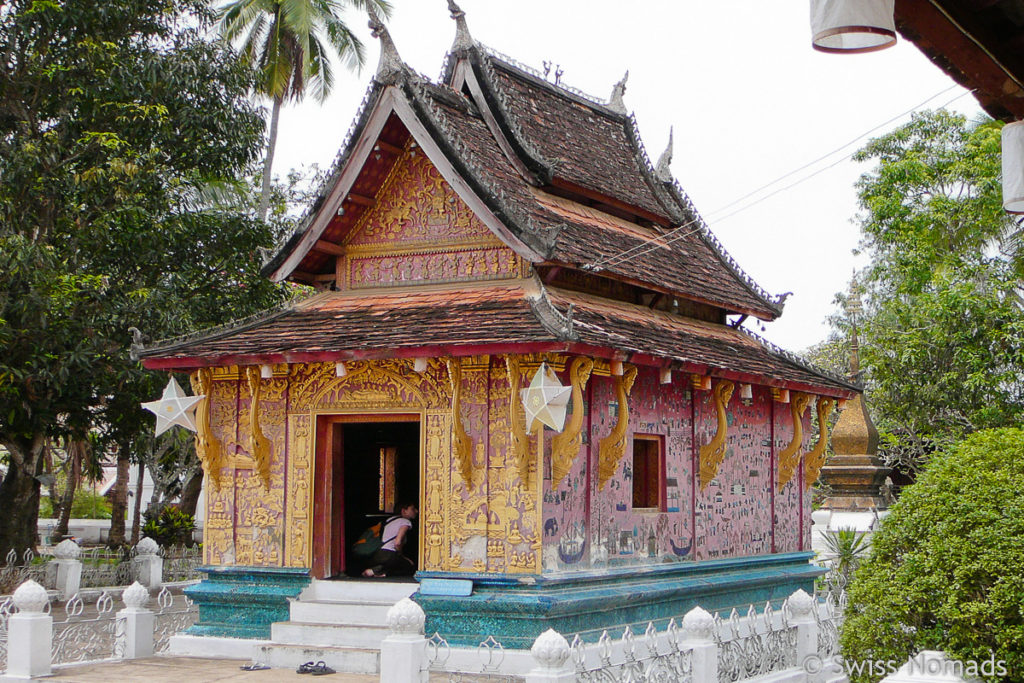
column 339, row 369
column 1013, row 167
column 419, row 365
column 266, row 371
column 665, row 376
column 746, row 392
column 851, row 26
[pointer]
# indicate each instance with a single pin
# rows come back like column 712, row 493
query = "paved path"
column 190, row 670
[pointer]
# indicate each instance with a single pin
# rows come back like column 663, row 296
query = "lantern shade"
column 1013, row 167
column 851, row 26
column 340, row 370
column 746, row 392
column 266, row 371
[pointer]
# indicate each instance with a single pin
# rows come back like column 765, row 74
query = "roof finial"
column 663, row 171
column 390, row 62
column 615, row 101
column 462, row 38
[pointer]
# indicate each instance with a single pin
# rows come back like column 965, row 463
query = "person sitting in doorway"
column 389, row 560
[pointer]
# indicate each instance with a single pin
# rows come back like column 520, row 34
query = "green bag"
column 370, row 541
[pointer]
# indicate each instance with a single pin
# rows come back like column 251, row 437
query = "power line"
column 673, row 235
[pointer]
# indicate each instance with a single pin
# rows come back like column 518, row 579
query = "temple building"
column 474, row 232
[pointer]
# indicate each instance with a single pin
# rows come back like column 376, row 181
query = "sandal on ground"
column 255, row 667
column 306, row 668
column 322, row 669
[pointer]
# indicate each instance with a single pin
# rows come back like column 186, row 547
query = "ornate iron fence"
column 86, row 631
column 18, row 569
column 181, row 562
column 103, row 567
column 174, row 614
column 491, row 656
column 651, row 658
column 756, row 645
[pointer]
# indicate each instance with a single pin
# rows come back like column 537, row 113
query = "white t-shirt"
column 391, row 530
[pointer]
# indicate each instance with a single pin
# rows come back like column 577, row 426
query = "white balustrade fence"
column 34, row 636
column 769, row 644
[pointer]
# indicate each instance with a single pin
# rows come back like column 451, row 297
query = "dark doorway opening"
column 380, row 462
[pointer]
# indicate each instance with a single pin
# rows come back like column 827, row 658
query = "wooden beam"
column 302, row 275
column 324, row 277
column 388, row 147
column 360, row 199
column 329, row 248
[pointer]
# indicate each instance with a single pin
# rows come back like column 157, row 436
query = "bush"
column 87, row 505
column 946, row 569
column 170, row 526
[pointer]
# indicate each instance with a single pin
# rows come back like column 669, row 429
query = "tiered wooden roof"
column 621, row 264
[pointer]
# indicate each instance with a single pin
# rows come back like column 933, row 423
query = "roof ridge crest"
column 799, row 360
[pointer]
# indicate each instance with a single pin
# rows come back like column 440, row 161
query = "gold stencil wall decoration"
column 520, row 439
column 613, row 447
column 259, row 444
column 565, row 446
column 789, row 457
column 713, row 452
column 299, row 514
column 436, row 496
column 208, row 447
column 814, row 460
column 462, row 441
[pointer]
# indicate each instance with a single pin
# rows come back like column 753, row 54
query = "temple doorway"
column 373, row 465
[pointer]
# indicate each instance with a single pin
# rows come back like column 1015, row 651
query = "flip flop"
column 254, row 667
column 322, row 669
column 307, row 668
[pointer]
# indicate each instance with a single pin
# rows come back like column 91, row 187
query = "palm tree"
column 291, row 43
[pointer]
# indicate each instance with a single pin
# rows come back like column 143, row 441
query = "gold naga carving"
column 565, row 446
column 520, row 437
column 789, row 457
column 613, row 447
column 259, row 444
column 463, row 442
column 814, row 459
column 713, row 452
column 208, row 446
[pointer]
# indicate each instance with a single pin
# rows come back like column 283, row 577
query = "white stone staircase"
column 340, row 623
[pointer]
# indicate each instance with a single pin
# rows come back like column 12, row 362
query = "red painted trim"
column 771, row 466
column 591, row 480
column 694, row 479
column 185, row 363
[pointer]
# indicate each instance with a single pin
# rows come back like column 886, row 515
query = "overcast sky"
column 749, row 100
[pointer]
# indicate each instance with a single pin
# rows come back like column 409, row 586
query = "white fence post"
column 67, row 567
column 137, row 635
column 149, row 566
column 699, row 636
column 802, row 607
column 403, row 654
column 551, row 653
column 29, row 633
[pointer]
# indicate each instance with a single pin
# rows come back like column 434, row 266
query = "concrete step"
column 299, row 633
column 352, row 660
column 339, row 613
column 346, row 590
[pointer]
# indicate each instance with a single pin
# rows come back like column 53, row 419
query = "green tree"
column 942, row 330
column 946, row 569
column 114, row 118
column 291, row 43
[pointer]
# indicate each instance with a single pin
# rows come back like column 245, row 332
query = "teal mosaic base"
column 242, row 602
column 516, row 609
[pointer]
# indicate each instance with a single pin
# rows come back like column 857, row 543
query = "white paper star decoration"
column 174, row 408
column 545, row 399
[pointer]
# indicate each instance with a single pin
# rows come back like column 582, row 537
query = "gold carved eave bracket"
column 814, row 460
column 208, row 447
column 713, row 452
column 463, row 442
column 789, row 457
column 520, row 438
column 259, row 444
column 565, row 446
column 612, row 448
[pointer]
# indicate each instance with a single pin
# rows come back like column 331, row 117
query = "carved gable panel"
column 420, row 230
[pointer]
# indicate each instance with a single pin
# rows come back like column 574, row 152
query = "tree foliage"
column 946, row 569
column 942, row 331
column 116, row 118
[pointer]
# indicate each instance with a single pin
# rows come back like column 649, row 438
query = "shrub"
column 946, row 569
column 170, row 526
column 87, row 504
